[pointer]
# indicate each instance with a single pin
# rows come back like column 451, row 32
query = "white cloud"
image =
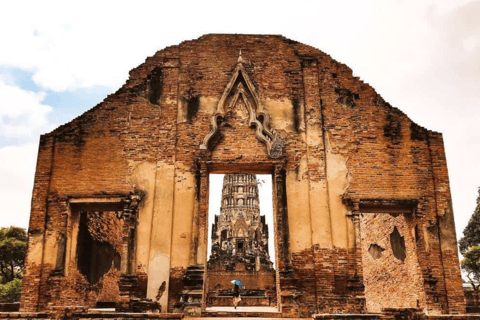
column 71, row 45
column 21, row 112
column 17, row 169
column 7, row 78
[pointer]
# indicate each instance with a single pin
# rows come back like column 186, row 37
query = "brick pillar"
column 358, row 242
column 281, row 220
column 162, row 215
column 200, row 226
column 446, row 226
column 29, row 301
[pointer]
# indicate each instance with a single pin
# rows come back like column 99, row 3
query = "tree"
column 13, row 247
column 471, row 265
column 471, row 233
column 10, row 292
column 470, row 248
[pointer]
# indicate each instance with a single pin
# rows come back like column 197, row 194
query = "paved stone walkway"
column 243, row 309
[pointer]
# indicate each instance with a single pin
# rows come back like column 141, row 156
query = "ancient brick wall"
column 392, row 275
column 344, row 147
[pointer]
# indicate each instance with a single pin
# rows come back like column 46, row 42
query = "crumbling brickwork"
column 392, row 275
column 337, row 153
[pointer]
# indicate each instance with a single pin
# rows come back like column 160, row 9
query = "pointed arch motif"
column 241, row 88
column 240, row 228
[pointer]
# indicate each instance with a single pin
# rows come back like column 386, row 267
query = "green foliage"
column 472, row 230
column 471, row 264
column 10, row 292
column 470, row 248
column 13, row 247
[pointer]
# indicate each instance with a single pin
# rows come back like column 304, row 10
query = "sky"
column 59, row 59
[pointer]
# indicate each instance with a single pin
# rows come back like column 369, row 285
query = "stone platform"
column 226, row 301
column 228, row 313
column 242, row 309
column 91, row 315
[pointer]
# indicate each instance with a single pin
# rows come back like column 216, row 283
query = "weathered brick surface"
column 386, row 275
column 176, row 287
column 346, row 151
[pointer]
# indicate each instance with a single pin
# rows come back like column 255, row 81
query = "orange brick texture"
column 161, row 116
column 400, row 276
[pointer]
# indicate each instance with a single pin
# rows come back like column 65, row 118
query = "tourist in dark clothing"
column 236, row 296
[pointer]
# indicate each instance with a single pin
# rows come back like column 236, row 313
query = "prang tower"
column 239, row 233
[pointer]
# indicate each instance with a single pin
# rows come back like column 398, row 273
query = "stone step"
column 230, row 308
column 243, row 318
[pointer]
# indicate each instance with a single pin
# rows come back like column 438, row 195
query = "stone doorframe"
column 414, row 207
column 275, row 167
column 126, row 208
column 358, row 206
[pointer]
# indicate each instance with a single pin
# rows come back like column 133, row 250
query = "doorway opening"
column 241, row 242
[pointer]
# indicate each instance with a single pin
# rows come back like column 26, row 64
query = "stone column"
column 202, row 225
column 281, row 219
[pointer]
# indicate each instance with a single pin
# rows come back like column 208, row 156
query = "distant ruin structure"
column 240, row 246
column 240, row 232
column 363, row 220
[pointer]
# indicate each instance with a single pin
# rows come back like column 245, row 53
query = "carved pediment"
column 240, row 93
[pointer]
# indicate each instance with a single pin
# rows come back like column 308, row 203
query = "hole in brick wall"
column 398, row 245
column 161, row 290
column 375, row 251
column 345, row 97
column 95, row 254
column 61, row 246
column 296, row 114
column 417, row 234
column 192, row 106
column 155, row 84
column 241, row 240
column 106, row 304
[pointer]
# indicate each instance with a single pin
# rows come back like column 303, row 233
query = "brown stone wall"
column 176, row 287
column 64, row 284
column 36, row 230
column 220, row 280
column 338, row 281
column 446, row 225
column 343, row 145
column 392, row 276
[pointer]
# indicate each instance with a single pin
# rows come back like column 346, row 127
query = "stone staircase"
column 191, row 296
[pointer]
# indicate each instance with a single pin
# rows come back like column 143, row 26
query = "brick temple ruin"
column 363, row 221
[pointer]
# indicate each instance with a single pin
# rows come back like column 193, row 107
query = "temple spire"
column 239, row 230
column 240, row 58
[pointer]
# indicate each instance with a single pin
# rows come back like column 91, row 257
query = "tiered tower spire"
column 240, row 234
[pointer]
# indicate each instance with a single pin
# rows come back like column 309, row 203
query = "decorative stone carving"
column 130, row 215
column 130, row 206
column 241, row 89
